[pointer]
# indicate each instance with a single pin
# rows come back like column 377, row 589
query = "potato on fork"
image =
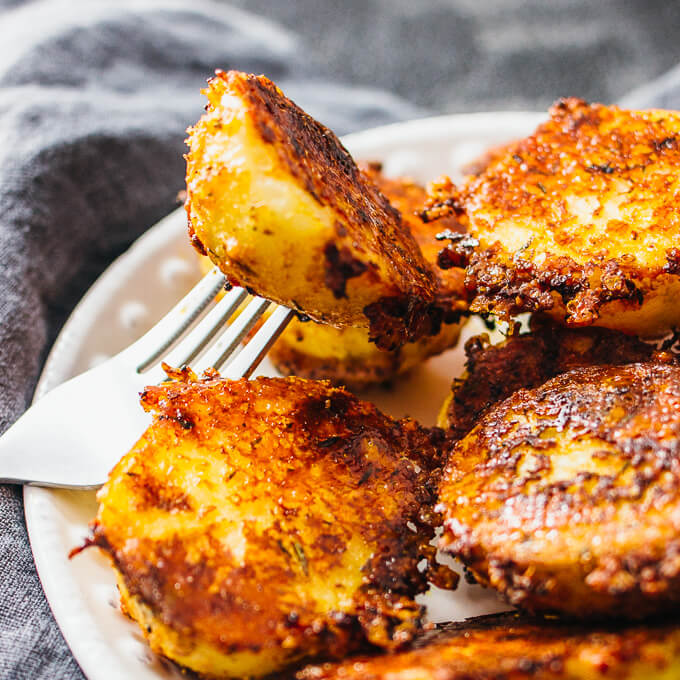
column 276, row 201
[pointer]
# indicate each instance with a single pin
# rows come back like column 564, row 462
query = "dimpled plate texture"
column 131, row 295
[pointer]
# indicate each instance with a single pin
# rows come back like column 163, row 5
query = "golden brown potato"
column 566, row 497
column 508, row 647
column 346, row 356
column 494, row 372
column 279, row 205
column 257, row 523
column 581, row 220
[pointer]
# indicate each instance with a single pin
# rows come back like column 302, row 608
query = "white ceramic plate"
column 134, row 292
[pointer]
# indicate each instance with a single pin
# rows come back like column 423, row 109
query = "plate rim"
column 63, row 609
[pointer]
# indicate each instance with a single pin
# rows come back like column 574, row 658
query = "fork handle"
column 65, row 439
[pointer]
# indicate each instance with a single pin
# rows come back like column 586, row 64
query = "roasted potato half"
column 494, row 372
column 566, row 497
column 509, row 647
column 581, row 220
column 257, row 523
column 280, row 206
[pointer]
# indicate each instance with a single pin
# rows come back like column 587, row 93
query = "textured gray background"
column 469, row 55
column 95, row 97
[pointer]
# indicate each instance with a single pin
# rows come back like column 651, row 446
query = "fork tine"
column 250, row 356
column 199, row 337
column 235, row 332
column 157, row 340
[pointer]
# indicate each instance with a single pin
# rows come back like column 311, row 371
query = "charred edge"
column 494, row 372
column 89, row 542
column 196, row 242
column 341, row 266
column 394, row 321
column 509, row 289
column 458, row 252
column 672, row 262
column 301, row 141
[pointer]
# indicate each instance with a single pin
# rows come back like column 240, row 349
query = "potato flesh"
column 346, row 356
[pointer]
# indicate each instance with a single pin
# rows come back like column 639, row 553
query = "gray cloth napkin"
column 94, row 101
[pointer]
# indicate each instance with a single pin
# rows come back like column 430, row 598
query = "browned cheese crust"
column 510, row 647
column 307, row 351
column 408, row 197
column 566, row 497
column 581, row 219
column 494, row 372
column 344, row 254
column 274, row 517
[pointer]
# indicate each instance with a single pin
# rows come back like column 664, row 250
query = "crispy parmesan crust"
column 511, row 647
column 344, row 254
column 257, row 523
column 408, row 198
column 494, row 372
column 566, row 497
column 580, row 219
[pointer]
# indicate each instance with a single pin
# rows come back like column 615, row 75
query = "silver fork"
column 72, row 437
